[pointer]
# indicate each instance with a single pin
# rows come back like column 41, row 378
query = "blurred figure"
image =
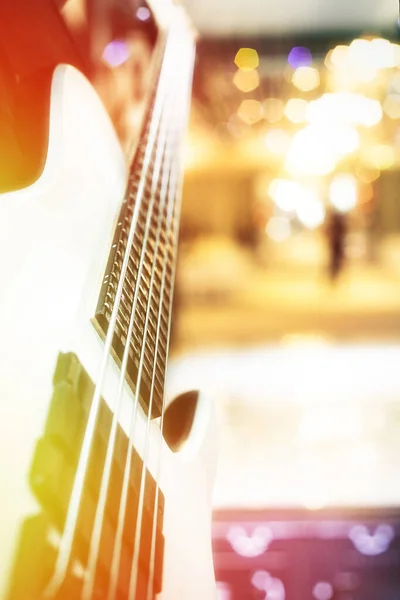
column 336, row 235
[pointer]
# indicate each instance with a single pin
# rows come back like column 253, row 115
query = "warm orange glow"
column 278, row 229
column 380, row 156
column 74, row 12
column 273, row 109
column 366, row 193
column 246, row 81
column 250, row 111
column 199, row 150
column 367, row 175
column 391, row 106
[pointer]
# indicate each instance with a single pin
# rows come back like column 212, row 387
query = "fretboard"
column 154, row 240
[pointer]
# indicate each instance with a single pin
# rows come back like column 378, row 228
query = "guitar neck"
column 143, row 251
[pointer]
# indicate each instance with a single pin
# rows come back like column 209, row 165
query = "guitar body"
column 55, row 239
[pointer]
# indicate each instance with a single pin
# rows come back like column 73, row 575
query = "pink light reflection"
column 273, row 587
column 116, row 53
column 143, row 13
column 223, row 591
column 251, row 545
column 371, row 544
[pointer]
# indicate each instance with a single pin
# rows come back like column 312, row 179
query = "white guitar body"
column 55, row 238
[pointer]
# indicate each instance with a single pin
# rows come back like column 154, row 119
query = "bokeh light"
column 250, row 111
column 360, row 54
column 296, row 110
column 361, row 61
column 247, row 59
column 306, row 79
column 277, row 141
column 367, row 174
column 116, row 53
column 391, row 106
column 323, row 591
column 372, row 543
column 292, row 196
column 236, row 127
column 378, row 156
column 345, row 108
column 143, row 13
column 252, row 545
column 310, row 210
column 278, row 229
column 300, row 56
column 271, row 586
column 273, row 109
column 223, row 591
column 383, row 53
column 310, row 153
column 395, row 83
column 246, row 81
column 343, row 192
column 285, row 193
column 338, row 57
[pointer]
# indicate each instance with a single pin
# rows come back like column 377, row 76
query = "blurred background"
column 287, row 304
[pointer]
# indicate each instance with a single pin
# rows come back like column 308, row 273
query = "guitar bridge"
column 51, row 478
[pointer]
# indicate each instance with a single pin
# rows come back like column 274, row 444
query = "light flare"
column 250, row 111
column 246, row 81
column 343, row 192
column 306, row 79
column 296, row 110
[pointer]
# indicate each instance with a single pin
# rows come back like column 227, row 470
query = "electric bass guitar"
column 105, row 485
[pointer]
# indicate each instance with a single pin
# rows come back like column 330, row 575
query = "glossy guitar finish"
column 55, row 238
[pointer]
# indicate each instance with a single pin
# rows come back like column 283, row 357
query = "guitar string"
column 67, row 538
column 139, row 517
column 89, row 580
column 89, row 577
column 142, row 487
column 171, row 210
column 150, row 586
column 128, row 464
